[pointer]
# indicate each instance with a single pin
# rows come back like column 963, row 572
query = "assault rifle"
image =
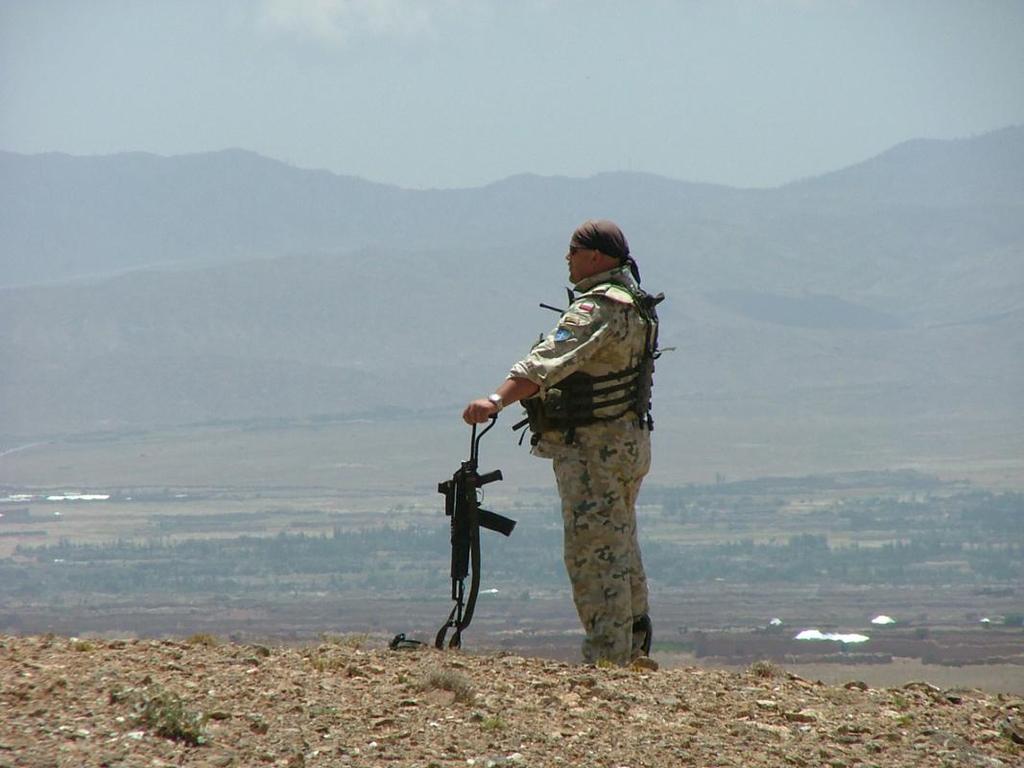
column 462, row 506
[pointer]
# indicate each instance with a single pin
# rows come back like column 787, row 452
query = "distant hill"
column 69, row 217
column 976, row 172
column 143, row 290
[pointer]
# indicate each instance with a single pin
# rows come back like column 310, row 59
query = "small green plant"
column 493, row 723
column 322, row 661
column 764, row 669
column 164, row 712
column 204, row 639
column 258, row 725
column 83, row 646
column 902, row 703
column 449, row 680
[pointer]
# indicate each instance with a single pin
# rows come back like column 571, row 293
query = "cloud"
column 338, row 21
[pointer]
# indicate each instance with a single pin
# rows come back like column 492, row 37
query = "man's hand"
column 479, row 411
column 512, row 390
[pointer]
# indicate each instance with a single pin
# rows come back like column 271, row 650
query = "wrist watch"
column 496, row 399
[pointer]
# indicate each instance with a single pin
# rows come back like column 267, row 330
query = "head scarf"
column 605, row 236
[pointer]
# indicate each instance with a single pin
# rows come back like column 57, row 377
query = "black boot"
column 644, row 627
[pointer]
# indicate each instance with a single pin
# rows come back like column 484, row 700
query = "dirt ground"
column 70, row 702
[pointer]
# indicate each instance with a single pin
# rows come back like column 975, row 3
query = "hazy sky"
column 442, row 93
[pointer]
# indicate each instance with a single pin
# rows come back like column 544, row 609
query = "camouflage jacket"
column 602, row 332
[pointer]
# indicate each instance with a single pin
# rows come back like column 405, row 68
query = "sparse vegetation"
column 449, row 680
column 322, row 660
column 164, row 712
column 765, row 669
column 493, row 723
column 355, row 640
column 511, row 709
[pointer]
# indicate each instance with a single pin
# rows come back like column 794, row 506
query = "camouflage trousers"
column 599, row 478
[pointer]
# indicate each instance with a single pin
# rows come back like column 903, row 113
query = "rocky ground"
column 352, row 702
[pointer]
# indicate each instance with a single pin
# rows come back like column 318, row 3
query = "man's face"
column 584, row 262
column 580, row 263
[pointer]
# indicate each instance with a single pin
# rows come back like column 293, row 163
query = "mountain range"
column 140, row 291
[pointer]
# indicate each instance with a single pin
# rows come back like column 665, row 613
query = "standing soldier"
column 586, row 388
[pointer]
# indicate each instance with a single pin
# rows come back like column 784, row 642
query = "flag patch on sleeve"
column 563, row 334
column 585, row 306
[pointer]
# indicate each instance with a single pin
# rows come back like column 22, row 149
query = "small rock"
column 644, row 664
column 848, row 738
column 803, row 716
column 918, row 685
column 799, row 681
column 856, row 685
column 780, row 732
column 853, row 728
column 1013, row 730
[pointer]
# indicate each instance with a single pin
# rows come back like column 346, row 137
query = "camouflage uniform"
column 600, row 466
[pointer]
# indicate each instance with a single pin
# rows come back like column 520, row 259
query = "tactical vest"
column 581, row 399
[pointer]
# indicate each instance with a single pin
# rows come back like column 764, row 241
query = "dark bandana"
column 601, row 235
column 605, row 236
